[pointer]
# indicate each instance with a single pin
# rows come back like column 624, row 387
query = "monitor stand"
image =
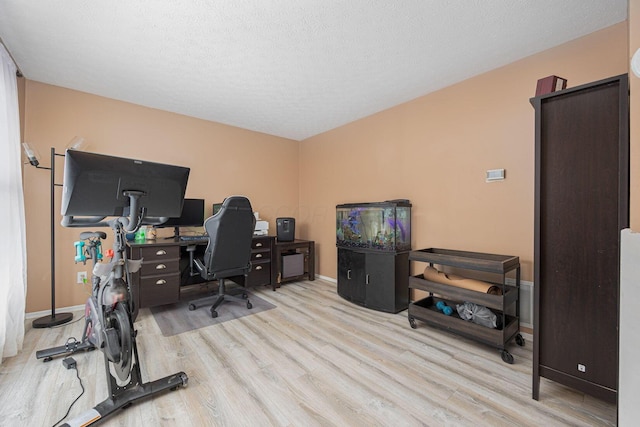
column 176, row 234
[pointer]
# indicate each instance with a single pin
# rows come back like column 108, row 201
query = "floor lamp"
column 54, row 318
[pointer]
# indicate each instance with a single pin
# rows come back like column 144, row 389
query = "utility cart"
column 472, row 265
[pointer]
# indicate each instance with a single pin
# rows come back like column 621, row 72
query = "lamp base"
column 52, row 320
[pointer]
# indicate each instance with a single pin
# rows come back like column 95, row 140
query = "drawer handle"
column 349, row 274
column 161, row 282
column 161, row 252
column 160, row 267
column 258, row 255
column 258, row 245
column 366, row 282
column 259, row 268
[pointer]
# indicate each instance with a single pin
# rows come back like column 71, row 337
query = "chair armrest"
column 200, row 267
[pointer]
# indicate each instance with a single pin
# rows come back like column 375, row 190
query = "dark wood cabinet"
column 165, row 271
column 375, row 280
column 581, row 204
column 158, row 280
column 261, row 273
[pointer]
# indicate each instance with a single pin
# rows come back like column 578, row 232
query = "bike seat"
column 89, row 234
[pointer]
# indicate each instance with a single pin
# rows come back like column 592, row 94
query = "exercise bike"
column 109, row 323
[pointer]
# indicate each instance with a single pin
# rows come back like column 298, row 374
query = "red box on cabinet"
column 550, row 84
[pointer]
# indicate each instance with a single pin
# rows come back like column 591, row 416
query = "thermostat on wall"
column 495, row 175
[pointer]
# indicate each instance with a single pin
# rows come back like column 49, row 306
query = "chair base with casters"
column 219, row 298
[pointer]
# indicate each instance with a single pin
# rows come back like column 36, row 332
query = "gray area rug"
column 174, row 319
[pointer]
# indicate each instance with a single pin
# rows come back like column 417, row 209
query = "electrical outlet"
column 82, row 277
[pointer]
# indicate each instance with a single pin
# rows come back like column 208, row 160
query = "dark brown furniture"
column 487, row 267
column 158, row 280
column 306, row 248
column 581, row 204
column 162, row 277
column 375, row 280
column 262, row 272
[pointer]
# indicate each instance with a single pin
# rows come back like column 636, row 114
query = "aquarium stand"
column 374, row 280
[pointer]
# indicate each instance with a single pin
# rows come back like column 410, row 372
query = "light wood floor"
column 316, row 359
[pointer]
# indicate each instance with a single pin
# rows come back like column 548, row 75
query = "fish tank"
column 380, row 226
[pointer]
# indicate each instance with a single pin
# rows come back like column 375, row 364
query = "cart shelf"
column 472, row 263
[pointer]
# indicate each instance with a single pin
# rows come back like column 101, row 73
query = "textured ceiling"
column 291, row 68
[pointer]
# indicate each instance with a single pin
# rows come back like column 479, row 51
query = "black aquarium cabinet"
column 374, row 241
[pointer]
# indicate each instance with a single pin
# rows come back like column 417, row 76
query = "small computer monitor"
column 216, row 208
column 99, row 185
column 192, row 215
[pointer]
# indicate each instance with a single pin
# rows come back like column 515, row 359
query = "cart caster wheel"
column 214, row 313
column 192, row 307
column 249, row 305
column 520, row 340
column 183, row 382
column 47, row 359
column 506, row 357
column 245, row 296
column 185, row 379
column 412, row 322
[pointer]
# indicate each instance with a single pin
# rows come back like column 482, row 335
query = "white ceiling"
column 291, row 68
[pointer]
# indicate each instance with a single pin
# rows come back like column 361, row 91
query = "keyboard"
column 193, row 238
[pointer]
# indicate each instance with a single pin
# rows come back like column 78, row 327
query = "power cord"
column 70, row 363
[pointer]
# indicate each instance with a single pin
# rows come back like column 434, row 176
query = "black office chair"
column 228, row 253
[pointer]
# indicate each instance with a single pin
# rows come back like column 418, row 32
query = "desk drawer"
column 159, row 290
column 261, row 243
column 260, row 273
column 159, row 253
column 260, row 255
column 156, row 267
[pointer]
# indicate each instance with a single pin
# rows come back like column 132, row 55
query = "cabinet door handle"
column 366, row 280
column 258, row 255
column 349, row 274
column 259, row 268
column 161, row 252
column 161, row 282
column 258, row 245
column 160, row 267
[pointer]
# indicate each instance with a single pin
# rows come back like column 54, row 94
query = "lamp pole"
column 54, row 318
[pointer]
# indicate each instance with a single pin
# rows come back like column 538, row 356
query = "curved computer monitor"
column 96, row 185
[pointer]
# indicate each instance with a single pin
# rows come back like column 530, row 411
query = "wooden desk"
column 304, row 247
column 164, row 272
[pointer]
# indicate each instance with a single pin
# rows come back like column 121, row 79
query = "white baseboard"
column 328, row 279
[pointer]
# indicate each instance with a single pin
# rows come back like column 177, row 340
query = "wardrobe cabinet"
column 581, row 205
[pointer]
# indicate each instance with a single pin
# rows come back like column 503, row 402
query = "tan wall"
column 224, row 160
column 433, row 150
column 436, row 149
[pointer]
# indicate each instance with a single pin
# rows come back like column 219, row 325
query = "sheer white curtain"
column 13, row 259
